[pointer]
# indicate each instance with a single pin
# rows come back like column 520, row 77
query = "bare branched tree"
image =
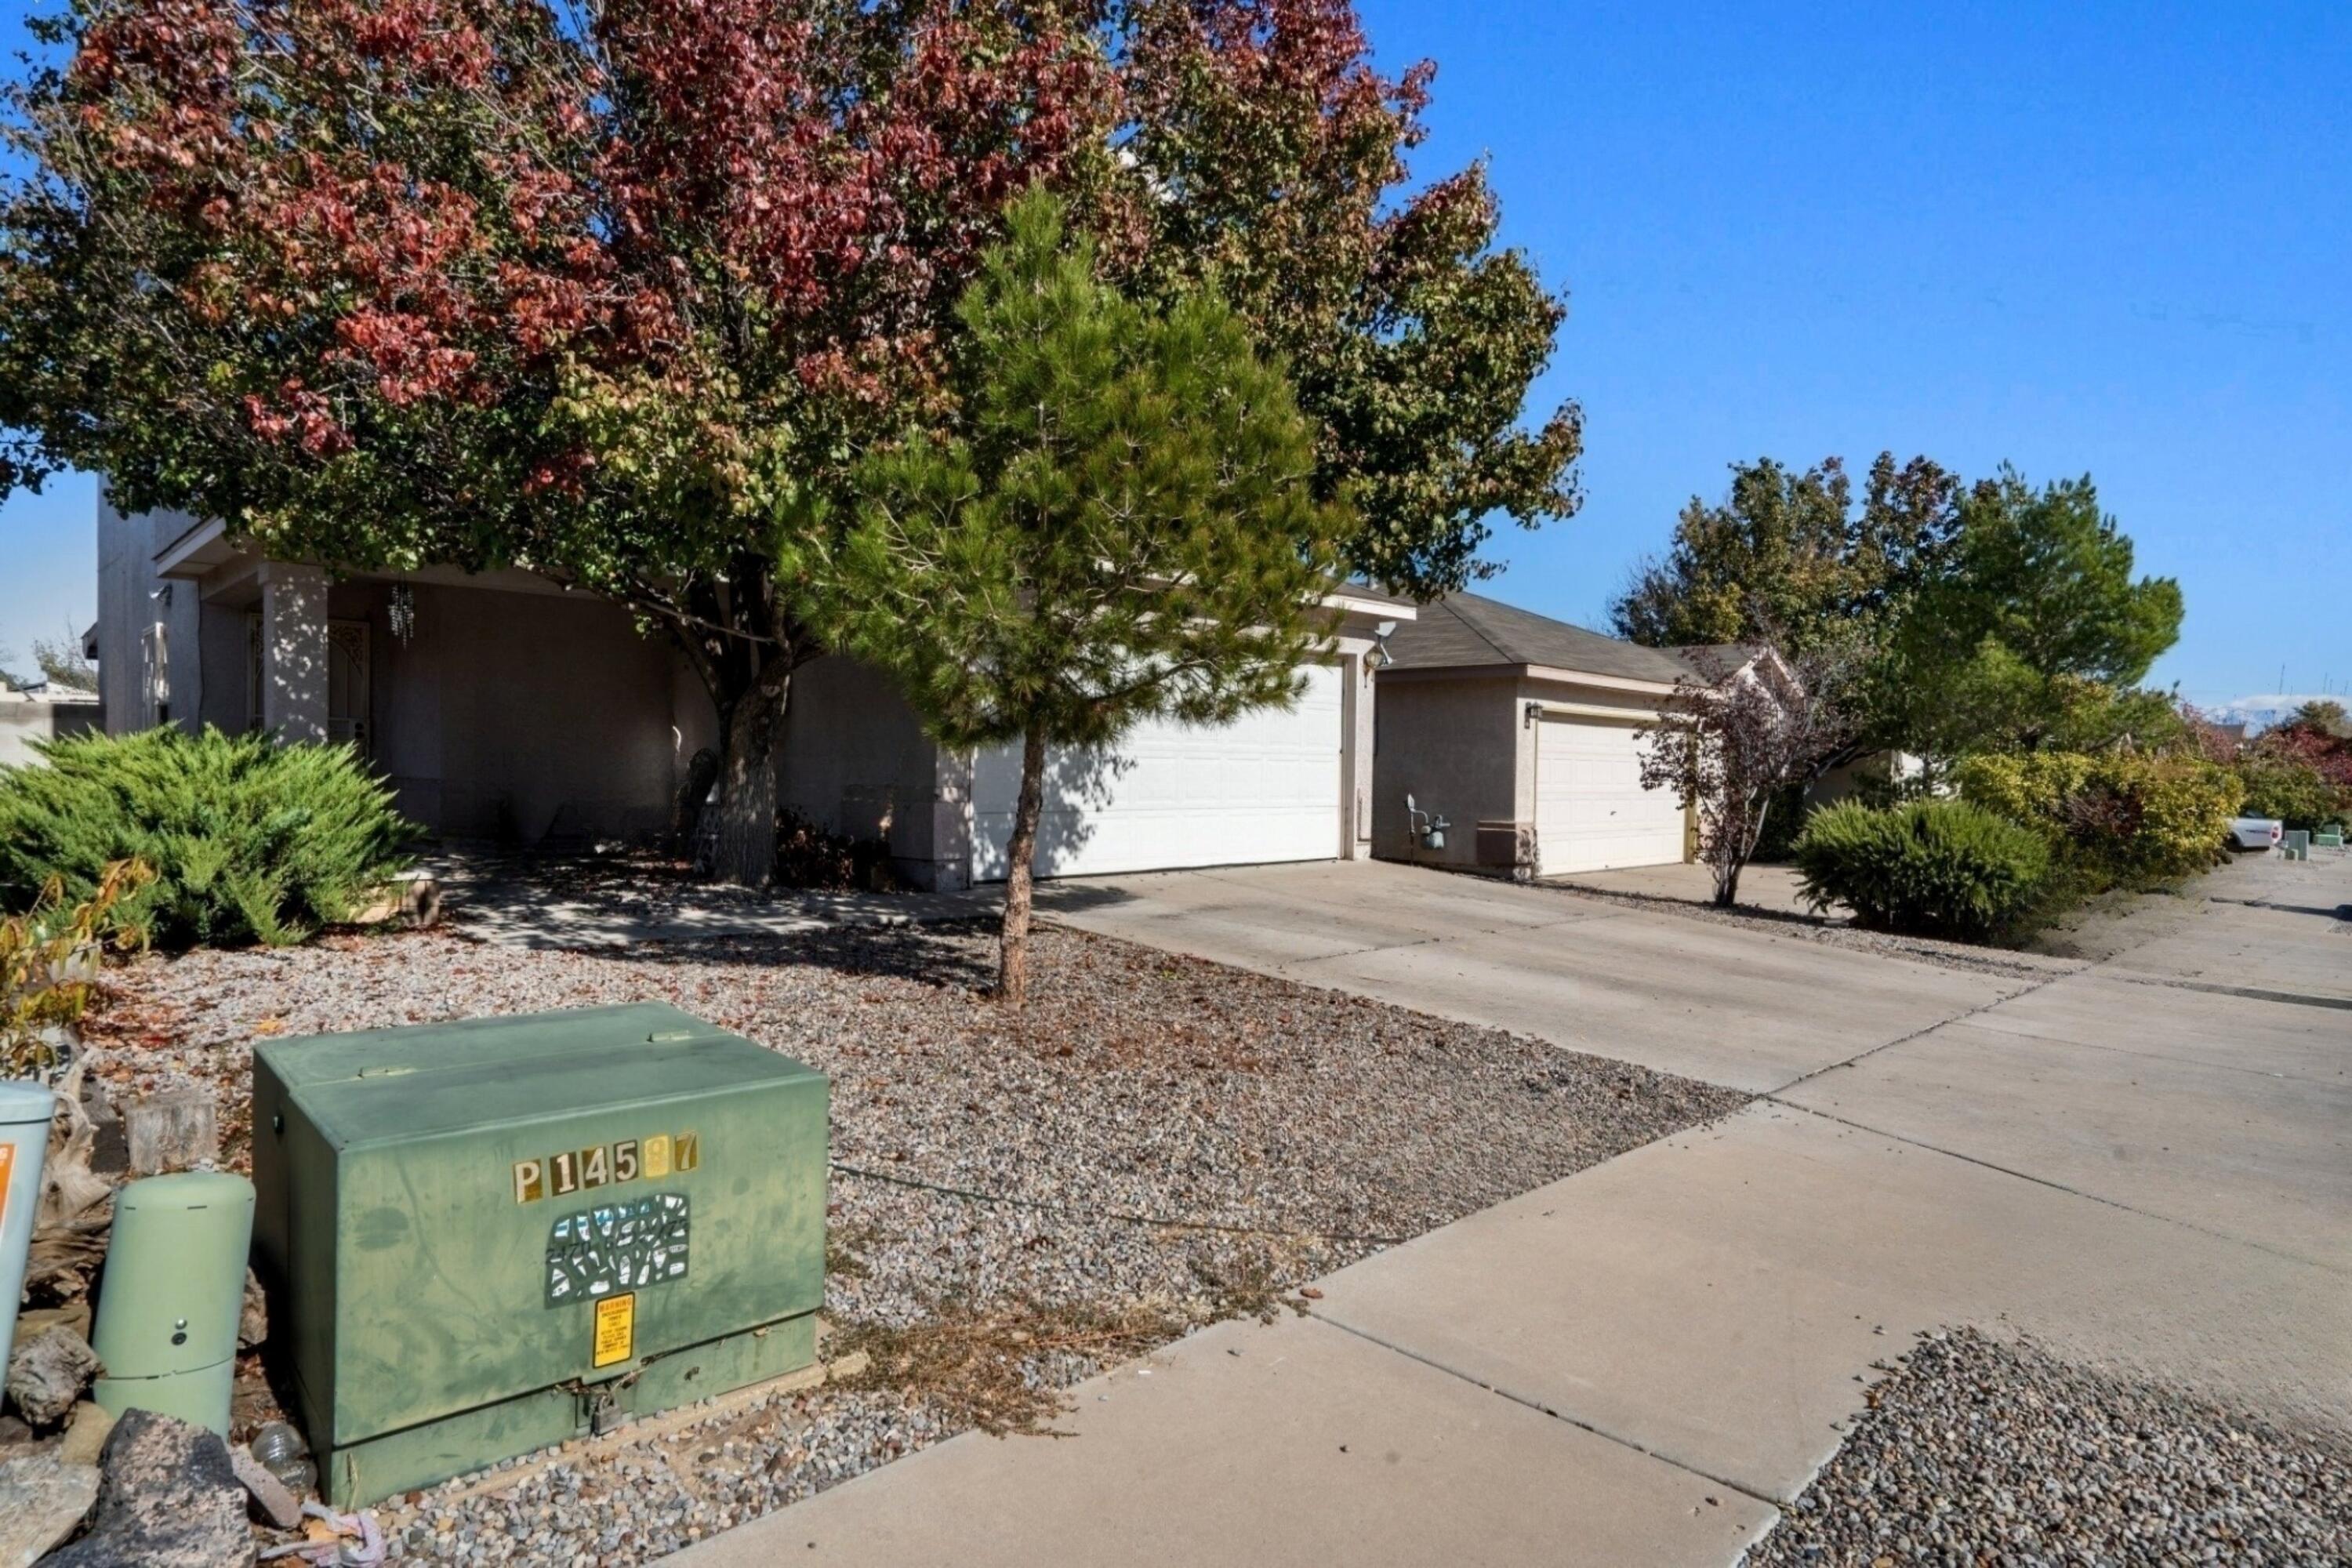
column 1740, row 731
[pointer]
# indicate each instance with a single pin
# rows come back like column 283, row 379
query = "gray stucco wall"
column 1450, row 744
column 519, row 715
column 128, row 610
column 856, row 762
column 510, row 714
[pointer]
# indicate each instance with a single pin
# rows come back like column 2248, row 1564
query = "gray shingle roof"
column 1714, row 661
column 1465, row 631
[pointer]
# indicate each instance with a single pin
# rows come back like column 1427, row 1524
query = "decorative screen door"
column 346, row 685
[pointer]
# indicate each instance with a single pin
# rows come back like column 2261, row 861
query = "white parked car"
column 2256, row 832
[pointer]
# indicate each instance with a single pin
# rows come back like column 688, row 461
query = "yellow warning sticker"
column 615, row 1337
column 7, row 1170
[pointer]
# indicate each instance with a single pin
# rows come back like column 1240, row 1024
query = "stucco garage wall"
column 856, row 758
column 1448, row 742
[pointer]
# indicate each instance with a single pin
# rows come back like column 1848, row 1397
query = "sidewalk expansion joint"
column 2054, row 1186
column 1769, row 1501
column 1962, row 1018
column 2061, row 1043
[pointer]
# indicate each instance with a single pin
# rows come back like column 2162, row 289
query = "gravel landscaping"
column 1977, row 1451
column 1155, row 1143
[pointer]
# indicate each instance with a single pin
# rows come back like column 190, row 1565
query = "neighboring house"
column 1521, row 730
column 1875, row 778
column 516, row 708
column 42, row 710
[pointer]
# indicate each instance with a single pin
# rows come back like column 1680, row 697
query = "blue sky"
column 2113, row 239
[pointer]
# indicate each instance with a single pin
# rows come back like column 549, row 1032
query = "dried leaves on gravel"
column 1978, row 1451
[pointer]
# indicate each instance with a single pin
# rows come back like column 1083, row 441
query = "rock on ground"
column 41, row 1502
column 275, row 1503
column 85, row 1438
column 169, row 1499
column 253, row 1316
column 1980, row 1451
column 47, row 1372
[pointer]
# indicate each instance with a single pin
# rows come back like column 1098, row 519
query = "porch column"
column 294, row 651
column 1356, row 707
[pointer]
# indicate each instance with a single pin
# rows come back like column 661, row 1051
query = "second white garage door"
column 1591, row 812
column 1261, row 789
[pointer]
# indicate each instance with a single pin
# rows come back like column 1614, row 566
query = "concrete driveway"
column 2146, row 1162
column 1750, row 1006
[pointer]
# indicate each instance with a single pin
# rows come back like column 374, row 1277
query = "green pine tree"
column 1118, row 526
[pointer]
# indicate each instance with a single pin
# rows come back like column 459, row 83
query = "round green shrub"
column 250, row 840
column 1928, row 867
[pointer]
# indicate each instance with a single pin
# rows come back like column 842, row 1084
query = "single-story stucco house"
column 1519, row 730
column 503, row 705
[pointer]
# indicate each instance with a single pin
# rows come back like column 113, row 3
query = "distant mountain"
column 2259, row 713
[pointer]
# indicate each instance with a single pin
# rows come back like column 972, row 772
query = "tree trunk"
column 1013, row 952
column 1736, row 857
column 745, row 850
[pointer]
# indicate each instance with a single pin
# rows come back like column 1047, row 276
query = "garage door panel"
column 1591, row 812
column 1262, row 788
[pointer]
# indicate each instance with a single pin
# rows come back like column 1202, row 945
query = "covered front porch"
column 497, row 705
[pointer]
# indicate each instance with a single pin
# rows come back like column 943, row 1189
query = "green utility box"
column 484, row 1237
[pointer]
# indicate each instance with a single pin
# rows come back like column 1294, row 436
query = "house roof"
column 1465, row 631
column 1714, row 661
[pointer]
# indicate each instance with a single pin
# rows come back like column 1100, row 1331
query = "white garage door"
column 1591, row 812
column 1262, row 788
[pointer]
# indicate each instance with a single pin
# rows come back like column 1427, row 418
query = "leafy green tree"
column 1789, row 557
column 1120, row 525
column 2031, row 632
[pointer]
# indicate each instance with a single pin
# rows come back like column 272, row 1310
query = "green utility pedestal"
column 169, row 1301
column 481, row 1239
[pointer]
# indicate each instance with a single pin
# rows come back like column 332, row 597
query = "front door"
column 346, row 685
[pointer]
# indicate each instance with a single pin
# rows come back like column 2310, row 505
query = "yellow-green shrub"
column 2120, row 816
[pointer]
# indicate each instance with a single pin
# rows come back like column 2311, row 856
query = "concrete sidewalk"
column 1639, row 1363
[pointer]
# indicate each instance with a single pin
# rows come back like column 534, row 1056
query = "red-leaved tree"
column 619, row 292
column 1738, row 733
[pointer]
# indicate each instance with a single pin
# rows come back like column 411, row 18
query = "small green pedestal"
column 171, row 1297
column 481, row 1239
